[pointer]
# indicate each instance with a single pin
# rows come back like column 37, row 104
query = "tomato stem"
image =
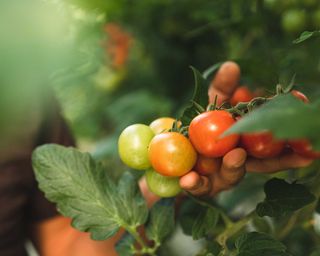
column 175, row 126
column 279, row 89
column 144, row 248
column 288, row 227
column 198, row 107
column 233, row 228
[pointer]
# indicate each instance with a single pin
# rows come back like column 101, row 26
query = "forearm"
column 83, row 245
column 56, row 237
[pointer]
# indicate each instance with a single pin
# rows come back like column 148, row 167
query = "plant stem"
column 145, row 249
column 233, row 228
column 227, row 221
column 288, row 227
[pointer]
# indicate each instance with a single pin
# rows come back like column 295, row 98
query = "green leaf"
column 214, row 247
column 201, row 91
column 84, row 192
column 125, row 246
column 254, row 243
column 200, row 97
column 306, row 35
column 262, row 225
column 283, row 198
column 204, row 223
column 161, row 221
column 188, row 212
column 131, row 206
column 286, row 117
column 211, row 70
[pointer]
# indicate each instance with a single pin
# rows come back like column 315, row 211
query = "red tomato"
column 299, row 95
column 205, row 130
column 242, row 94
column 262, row 144
column 304, row 148
column 207, row 165
column 171, row 154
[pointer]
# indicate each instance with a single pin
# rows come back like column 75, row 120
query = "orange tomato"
column 171, row 154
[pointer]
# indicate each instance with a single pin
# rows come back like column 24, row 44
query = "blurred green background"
column 135, row 58
column 135, row 55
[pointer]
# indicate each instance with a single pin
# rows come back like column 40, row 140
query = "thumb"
column 225, row 82
column 195, row 184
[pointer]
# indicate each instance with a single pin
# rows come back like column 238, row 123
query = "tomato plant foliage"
column 98, row 205
column 255, row 243
column 283, row 198
column 161, row 221
column 200, row 98
column 286, row 117
column 83, row 192
column 204, row 222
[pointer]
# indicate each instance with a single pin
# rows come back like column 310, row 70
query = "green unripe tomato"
column 294, row 20
column 133, row 146
column 163, row 186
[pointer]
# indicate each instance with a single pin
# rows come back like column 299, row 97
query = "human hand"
column 235, row 163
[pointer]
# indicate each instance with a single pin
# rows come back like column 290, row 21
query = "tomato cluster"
column 162, row 153
column 165, row 151
column 264, row 145
column 166, row 154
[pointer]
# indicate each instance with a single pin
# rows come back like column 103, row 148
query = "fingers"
column 233, row 168
column 225, row 82
column 284, row 162
column 231, row 172
column 234, row 159
column 195, row 184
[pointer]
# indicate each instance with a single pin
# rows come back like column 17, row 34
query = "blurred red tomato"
column 242, row 94
column 262, row 144
column 304, row 148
